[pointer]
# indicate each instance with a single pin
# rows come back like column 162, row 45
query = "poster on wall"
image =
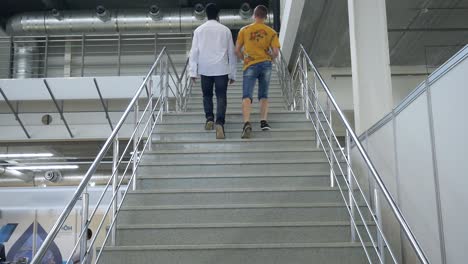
column 17, row 235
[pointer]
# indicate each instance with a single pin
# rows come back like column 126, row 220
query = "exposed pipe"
column 155, row 12
column 14, row 174
column 56, row 13
column 102, row 13
column 245, row 11
column 71, row 179
column 124, row 21
column 199, row 11
column 25, row 54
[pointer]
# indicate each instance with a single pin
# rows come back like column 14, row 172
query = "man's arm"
column 240, row 44
column 193, row 60
column 275, row 46
column 239, row 51
column 232, row 58
column 275, row 52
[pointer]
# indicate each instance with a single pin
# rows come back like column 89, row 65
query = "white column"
column 290, row 21
column 370, row 61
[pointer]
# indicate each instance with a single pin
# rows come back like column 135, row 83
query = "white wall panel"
column 380, row 144
column 416, row 175
column 450, row 111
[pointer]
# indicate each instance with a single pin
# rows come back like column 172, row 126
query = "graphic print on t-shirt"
column 258, row 35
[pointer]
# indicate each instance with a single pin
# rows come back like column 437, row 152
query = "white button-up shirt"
column 212, row 52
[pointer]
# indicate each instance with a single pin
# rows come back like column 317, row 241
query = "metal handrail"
column 144, row 127
column 322, row 121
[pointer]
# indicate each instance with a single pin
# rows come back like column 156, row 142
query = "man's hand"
column 231, row 81
column 194, row 79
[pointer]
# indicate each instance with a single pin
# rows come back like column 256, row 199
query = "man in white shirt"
column 213, row 58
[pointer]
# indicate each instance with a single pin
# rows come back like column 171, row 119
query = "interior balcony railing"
column 87, row 55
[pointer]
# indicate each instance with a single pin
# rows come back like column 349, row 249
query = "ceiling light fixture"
column 45, row 167
column 26, row 155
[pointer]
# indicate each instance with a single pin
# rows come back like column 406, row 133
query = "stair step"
column 290, row 253
column 231, row 133
column 235, row 233
column 232, row 196
column 233, row 213
column 235, row 108
column 232, row 124
column 233, row 180
column 199, row 116
column 237, row 92
column 233, row 168
column 236, row 143
column 235, row 156
column 278, row 98
column 235, row 104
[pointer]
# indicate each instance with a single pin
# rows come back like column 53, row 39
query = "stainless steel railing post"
column 166, row 82
column 306, row 88
column 151, row 116
column 351, row 185
column 84, row 223
column 378, row 215
column 332, row 175
column 115, row 173
column 317, row 118
column 135, row 144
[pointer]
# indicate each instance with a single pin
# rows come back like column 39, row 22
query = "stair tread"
column 256, row 150
column 239, row 246
column 219, row 162
column 270, row 174
column 240, row 122
column 226, row 225
column 235, row 140
column 236, row 190
column 255, row 129
column 239, row 112
column 232, row 206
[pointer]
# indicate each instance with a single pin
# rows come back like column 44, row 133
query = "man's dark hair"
column 261, row 11
column 212, row 11
column 89, row 234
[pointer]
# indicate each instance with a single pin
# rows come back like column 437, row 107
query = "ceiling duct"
column 155, row 12
column 245, row 11
column 66, row 179
column 56, row 13
column 102, row 13
column 199, row 11
column 14, row 174
column 104, row 21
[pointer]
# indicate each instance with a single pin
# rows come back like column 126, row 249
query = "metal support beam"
column 277, row 15
column 60, row 110
column 106, row 110
column 15, row 113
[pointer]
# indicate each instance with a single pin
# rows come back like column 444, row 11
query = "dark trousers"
column 220, row 83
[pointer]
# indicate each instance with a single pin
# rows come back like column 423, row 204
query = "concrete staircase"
column 262, row 200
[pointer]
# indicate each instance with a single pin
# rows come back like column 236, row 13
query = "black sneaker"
column 264, row 125
column 247, row 130
column 219, row 131
column 209, row 125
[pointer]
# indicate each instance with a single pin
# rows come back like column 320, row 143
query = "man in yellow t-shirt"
column 257, row 45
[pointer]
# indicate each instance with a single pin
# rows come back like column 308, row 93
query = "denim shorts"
column 260, row 71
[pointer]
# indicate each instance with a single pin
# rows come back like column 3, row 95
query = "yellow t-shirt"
column 257, row 39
